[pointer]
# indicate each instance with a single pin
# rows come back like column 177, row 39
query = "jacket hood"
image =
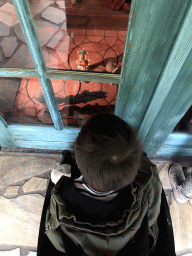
column 112, row 236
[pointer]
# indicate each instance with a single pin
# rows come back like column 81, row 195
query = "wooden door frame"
column 158, row 57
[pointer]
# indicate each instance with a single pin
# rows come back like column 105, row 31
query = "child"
column 107, row 197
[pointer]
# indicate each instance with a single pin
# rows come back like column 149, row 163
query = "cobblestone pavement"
column 23, row 184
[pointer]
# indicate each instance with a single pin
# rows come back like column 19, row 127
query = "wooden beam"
column 6, row 139
column 62, row 74
column 153, row 27
column 84, row 76
column 175, row 63
column 179, row 97
column 25, row 18
column 43, row 137
column 177, row 144
column 18, row 72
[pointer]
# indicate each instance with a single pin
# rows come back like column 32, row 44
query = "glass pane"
column 88, row 36
column 22, row 101
column 185, row 124
column 14, row 52
column 77, row 100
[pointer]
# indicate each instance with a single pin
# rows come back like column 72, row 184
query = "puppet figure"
column 82, row 62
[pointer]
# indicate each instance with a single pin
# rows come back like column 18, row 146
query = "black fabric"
column 44, row 246
column 140, row 244
column 165, row 243
column 70, row 247
column 68, row 158
column 92, row 210
column 138, row 247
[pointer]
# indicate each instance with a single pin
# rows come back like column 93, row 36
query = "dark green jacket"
column 110, row 237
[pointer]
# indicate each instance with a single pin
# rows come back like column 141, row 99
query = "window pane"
column 14, row 52
column 77, row 100
column 22, row 101
column 88, row 36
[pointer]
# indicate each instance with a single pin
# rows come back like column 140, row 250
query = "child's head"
column 107, row 152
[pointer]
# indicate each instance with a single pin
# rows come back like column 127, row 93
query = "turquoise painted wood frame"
column 155, row 81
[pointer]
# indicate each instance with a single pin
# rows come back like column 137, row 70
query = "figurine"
column 83, row 63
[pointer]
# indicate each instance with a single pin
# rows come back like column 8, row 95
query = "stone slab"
column 8, row 18
column 4, row 29
column 16, row 169
column 63, row 45
column 15, row 252
column 12, row 191
column 44, row 29
column 50, row 60
column 61, row 4
column 21, row 59
column 9, row 44
column 181, row 215
column 7, row 7
column 55, row 40
column 35, row 184
column 54, row 15
column 38, row 6
column 32, row 254
column 64, row 26
column 8, row 92
column 20, row 220
column 19, row 33
column 8, row 15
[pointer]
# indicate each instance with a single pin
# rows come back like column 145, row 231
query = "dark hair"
column 107, row 152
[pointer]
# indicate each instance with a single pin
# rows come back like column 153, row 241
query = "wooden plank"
column 62, row 74
column 153, row 26
column 179, row 53
column 175, row 106
column 45, row 145
column 25, row 18
column 6, row 139
column 43, row 137
column 18, row 72
column 84, row 76
column 178, row 139
column 42, row 133
column 177, row 144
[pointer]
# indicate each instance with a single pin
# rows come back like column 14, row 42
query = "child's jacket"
column 104, row 228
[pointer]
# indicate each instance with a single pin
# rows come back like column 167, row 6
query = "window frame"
column 142, row 94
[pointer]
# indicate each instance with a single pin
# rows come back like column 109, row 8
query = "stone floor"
column 23, row 184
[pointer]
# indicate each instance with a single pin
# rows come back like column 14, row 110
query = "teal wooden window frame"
column 25, row 135
column 156, row 70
